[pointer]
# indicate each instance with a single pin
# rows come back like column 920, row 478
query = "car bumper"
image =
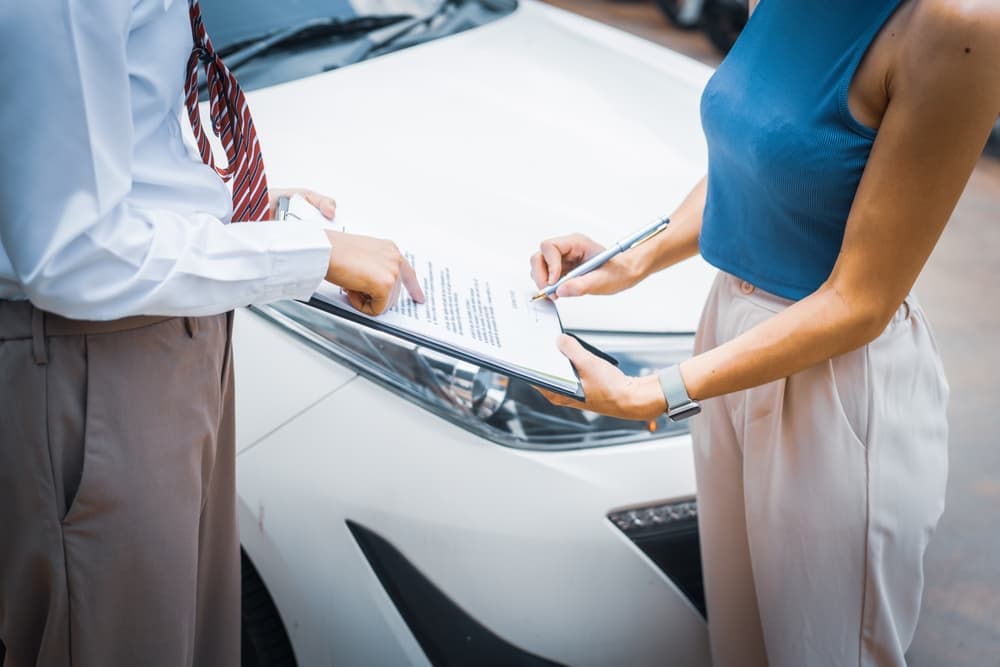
column 520, row 541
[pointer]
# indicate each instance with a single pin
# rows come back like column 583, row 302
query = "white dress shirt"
column 106, row 210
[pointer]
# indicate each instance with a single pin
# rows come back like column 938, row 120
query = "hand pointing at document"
column 370, row 271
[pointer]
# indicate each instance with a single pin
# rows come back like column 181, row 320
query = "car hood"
column 538, row 124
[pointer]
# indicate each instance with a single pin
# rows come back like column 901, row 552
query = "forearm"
column 823, row 325
column 819, row 327
column 133, row 262
column 680, row 240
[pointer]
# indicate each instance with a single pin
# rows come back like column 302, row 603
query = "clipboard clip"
column 282, row 212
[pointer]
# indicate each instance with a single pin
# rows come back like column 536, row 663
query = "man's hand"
column 325, row 205
column 609, row 391
column 557, row 257
column 370, row 270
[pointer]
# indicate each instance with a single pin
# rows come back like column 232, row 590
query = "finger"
column 558, row 399
column 584, row 361
column 378, row 303
column 553, row 261
column 361, row 301
column 311, row 197
column 393, row 297
column 588, row 283
column 326, row 205
column 575, row 248
column 539, row 272
column 411, row 282
column 552, row 397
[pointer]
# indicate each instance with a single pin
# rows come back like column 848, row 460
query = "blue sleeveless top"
column 785, row 154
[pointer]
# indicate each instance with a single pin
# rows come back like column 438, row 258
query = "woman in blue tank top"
column 840, row 136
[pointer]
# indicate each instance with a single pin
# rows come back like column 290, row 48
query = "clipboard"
column 298, row 208
column 350, row 314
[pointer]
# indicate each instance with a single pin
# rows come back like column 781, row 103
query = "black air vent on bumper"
column 446, row 633
column 668, row 534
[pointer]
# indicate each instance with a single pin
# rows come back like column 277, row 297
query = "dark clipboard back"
column 431, row 344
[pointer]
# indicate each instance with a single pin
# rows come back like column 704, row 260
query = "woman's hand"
column 370, row 271
column 557, row 257
column 608, row 390
column 325, row 205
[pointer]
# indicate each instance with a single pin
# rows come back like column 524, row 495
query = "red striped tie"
column 231, row 122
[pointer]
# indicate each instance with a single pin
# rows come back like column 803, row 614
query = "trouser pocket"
column 850, row 377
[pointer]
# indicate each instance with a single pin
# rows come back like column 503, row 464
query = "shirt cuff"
column 299, row 253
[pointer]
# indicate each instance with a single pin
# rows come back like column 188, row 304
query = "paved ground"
column 960, row 290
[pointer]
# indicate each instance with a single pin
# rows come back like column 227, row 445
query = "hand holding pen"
column 574, row 265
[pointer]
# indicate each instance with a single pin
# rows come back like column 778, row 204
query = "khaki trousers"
column 118, row 535
column 817, row 495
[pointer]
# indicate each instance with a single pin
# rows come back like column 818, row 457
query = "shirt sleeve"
column 76, row 243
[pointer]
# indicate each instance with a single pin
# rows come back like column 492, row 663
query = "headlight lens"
column 505, row 410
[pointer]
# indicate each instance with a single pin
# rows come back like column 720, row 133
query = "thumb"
column 325, row 205
column 578, row 356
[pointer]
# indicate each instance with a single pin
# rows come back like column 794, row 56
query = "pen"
column 631, row 241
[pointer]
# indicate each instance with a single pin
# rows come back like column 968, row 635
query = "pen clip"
column 663, row 225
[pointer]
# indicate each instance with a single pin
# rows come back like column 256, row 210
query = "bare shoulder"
column 949, row 58
column 963, row 16
column 962, row 36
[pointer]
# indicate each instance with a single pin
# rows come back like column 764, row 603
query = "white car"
column 398, row 508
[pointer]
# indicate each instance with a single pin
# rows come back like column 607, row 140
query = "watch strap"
column 679, row 403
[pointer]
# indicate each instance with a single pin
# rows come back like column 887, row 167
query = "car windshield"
column 267, row 42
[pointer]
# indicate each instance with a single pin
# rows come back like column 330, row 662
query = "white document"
column 484, row 312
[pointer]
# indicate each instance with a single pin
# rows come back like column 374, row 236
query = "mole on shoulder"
column 968, row 50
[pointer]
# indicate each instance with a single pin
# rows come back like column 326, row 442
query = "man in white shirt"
column 118, row 542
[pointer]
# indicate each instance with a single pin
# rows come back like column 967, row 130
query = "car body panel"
column 512, row 536
column 280, row 381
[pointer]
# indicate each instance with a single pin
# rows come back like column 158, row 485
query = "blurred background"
column 960, row 290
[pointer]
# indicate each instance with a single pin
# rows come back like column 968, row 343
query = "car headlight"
column 503, row 409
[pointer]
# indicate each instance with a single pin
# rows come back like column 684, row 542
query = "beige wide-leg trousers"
column 118, row 535
column 817, row 495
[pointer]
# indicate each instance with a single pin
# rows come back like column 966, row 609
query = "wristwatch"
column 679, row 404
